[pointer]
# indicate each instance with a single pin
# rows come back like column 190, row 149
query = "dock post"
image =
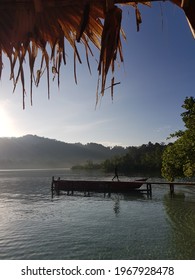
column 149, row 189
column 52, row 187
column 57, row 186
column 171, row 188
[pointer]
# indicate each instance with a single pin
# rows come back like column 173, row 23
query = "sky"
column 156, row 76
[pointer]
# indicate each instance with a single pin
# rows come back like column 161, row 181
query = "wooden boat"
column 96, row 186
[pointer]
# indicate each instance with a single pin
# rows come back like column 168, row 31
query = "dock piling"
column 149, row 189
column 52, row 187
column 171, row 188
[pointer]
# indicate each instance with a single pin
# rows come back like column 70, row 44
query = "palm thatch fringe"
column 28, row 27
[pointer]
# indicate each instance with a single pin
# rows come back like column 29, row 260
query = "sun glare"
column 6, row 124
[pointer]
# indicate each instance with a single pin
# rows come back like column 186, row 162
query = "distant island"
column 32, row 151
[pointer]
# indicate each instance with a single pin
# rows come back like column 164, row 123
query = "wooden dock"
column 108, row 187
column 171, row 184
column 105, row 187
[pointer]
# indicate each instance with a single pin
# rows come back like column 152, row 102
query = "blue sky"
column 157, row 75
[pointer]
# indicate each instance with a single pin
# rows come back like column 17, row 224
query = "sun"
column 6, row 124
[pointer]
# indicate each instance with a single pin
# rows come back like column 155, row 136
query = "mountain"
column 31, row 151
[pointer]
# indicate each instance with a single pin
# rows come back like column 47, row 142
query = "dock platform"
column 108, row 187
column 105, row 187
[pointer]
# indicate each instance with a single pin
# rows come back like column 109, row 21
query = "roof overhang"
column 28, row 26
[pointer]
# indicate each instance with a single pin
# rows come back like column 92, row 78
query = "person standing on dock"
column 115, row 173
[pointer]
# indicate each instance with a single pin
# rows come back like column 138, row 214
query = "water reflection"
column 134, row 196
column 181, row 213
column 116, row 206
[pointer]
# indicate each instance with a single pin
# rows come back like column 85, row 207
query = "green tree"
column 179, row 157
column 145, row 158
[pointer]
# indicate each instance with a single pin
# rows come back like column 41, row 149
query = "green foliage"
column 179, row 157
column 188, row 116
column 137, row 159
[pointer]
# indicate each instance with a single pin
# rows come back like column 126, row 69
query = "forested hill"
column 38, row 152
column 145, row 158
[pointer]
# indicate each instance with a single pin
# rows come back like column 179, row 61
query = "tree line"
column 145, row 158
column 179, row 158
column 174, row 160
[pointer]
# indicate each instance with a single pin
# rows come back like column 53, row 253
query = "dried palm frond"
column 109, row 43
column 28, row 27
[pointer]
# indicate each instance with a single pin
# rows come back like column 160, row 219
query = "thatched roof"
column 27, row 27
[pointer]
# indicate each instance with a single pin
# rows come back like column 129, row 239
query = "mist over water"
column 35, row 226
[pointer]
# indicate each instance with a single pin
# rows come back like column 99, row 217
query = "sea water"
column 33, row 225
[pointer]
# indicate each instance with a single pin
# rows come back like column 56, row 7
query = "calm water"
column 35, row 226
